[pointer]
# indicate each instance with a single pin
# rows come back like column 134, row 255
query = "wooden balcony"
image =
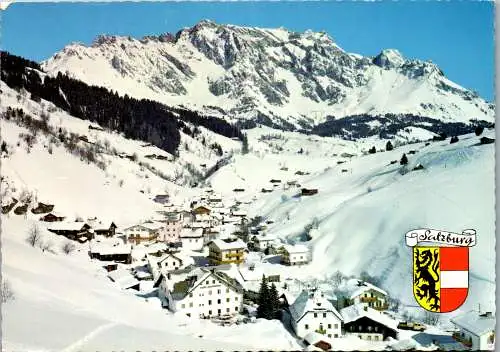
column 368, row 299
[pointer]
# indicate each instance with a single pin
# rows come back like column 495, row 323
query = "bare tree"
column 431, row 318
column 34, row 236
column 7, row 293
column 68, row 247
column 337, row 278
column 46, row 246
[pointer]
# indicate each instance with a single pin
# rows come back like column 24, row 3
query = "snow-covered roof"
column 310, row 301
column 476, row 323
column 66, row 225
column 354, row 287
column 295, row 249
column 110, row 246
column 264, row 237
column 356, row 311
column 191, row 233
column 123, row 278
column 251, row 275
column 314, row 337
column 225, row 245
column 148, row 225
column 239, row 213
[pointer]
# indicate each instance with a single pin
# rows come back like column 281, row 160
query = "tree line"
column 143, row 119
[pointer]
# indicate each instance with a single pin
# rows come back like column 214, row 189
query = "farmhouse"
column 52, row 217
column 354, row 291
column 42, row 208
column 107, row 229
column 226, row 251
column 368, row 324
column 475, row 330
column 72, row 230
column 110, row 250
column 295, row 255
column 203, row 293
column 145, row 232
column 192, row 239
column 312, row 312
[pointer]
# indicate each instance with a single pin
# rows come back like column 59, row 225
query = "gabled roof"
column 123, row 278
column 358, row 311
column 148, row 225
column 226, row 245
column 310, row 301
column 354, row 287
column 67, row 226
column 475, row 323
column 296, row 249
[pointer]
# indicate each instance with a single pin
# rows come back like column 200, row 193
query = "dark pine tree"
column 274, row 303
column 478, row 130
column 372, row 150
column 264, row 307
column 389, row 146
column 404, row 160
column 453, row 139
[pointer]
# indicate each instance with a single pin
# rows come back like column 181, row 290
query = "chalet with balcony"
column 368, row 324
column 226, row 251
column 148, row 231
column 76, row 230
column 52, row 217
column 354, row 291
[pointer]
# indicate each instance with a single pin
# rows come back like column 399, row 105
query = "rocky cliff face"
column 273, row 76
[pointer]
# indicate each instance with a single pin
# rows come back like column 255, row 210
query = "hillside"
column 274, row 77
column 363, row 212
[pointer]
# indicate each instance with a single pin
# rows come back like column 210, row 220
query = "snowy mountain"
column 275, row 77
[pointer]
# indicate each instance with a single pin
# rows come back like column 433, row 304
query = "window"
column 213, row 281
column 329, row 335
column 369, row 338
column 209, row 302
column 324, row 315
column 218, row 301
column 218, row 311
column 190, row 295
column 306, row 326
column 209, row 312
column 376, row 338
column 227, row 290
column 336, row 335
column 235, row 298
column 209, row 292
column 206, row 282
column 227, row 310
column 370, row 329
column 191, row 304
column 336, row 326
column 228, row 299
column 315, row 315
column 183, row 305
column 218, row 291
column 329, row 326
column 376, row 328
column 236, row 309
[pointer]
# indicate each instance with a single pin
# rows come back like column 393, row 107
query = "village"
column 206, row 259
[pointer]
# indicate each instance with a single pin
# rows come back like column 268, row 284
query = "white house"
column 192, row 239
column 354, row 291
column 312, row 312
column 295, row 255
column 167, row 262
column 476, row 330
column 263, row 241
column 203, row 293
column 172, row 226
column 124, row 279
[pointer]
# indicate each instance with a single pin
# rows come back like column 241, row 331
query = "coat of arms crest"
column 440, row 273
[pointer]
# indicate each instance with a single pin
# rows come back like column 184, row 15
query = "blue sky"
column 457, row 36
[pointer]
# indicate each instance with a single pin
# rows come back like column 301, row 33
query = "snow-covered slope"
column 66, row 303
column 365, row 206
column 273, row 76
column 122, row 174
